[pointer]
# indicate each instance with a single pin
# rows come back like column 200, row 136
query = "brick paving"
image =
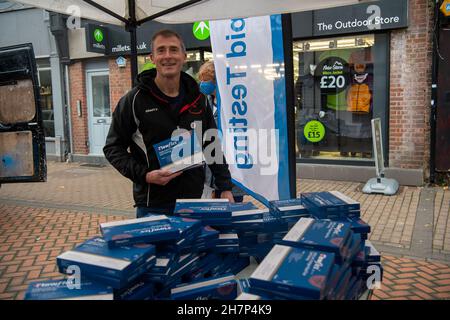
column 70, row 184
column 38, row 221
column 441, row 240
column 32, row 238
column 413, row 279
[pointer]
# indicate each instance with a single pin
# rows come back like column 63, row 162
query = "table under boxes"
column 312, row 247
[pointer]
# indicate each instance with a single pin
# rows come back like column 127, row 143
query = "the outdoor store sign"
column 365, row 17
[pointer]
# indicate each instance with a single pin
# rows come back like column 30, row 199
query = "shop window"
column 45, row 88
column 334, row 91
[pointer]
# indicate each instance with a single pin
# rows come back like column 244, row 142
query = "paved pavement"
column 38, row 221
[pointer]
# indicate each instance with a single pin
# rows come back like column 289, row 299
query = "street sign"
column 445, row 8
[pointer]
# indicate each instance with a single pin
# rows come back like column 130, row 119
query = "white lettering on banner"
column 246, row 71
column 237, row 49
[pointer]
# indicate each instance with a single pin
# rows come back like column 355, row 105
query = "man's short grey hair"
column 166, row 33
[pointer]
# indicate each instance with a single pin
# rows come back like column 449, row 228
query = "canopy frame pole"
column 131, row 27
column 105, row 10
column 167, row 11
column 286, row 22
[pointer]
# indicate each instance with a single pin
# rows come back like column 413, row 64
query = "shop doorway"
column 443, row 104
column 99, row 109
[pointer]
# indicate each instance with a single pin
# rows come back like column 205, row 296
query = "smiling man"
column 164, row 100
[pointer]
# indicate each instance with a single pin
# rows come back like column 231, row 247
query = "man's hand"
column 227, row 195
column 161, row 177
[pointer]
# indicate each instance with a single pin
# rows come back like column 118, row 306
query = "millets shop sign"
column 364, row 17
column 116, row 41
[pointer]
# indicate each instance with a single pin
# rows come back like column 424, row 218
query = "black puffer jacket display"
column 143, row 118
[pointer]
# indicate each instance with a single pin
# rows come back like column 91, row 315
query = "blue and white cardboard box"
column 216, row 222
column 242, row 206
column 124, row 282
column 358, row 226
column 249, row 296
column 187, row 227
column 164, row 262
column 158, row 277
column 267, row 223
column 330, row 205
column 180, row 152
column 94, row 256
column 241, row 264
column 203, row 208
column 227, row 248
column 141, row 290
column 294, row 271
column 220, row 288
column 200, row 247
column 252, row 214
column 153, row 228
column 207, row 263
column 208, row 234
column 226, row 261
column 64, row 289
column 374, row 255
column 342, row 286
column 186, row 263
column 227, row 238
column 290, row 207
column 322, row 235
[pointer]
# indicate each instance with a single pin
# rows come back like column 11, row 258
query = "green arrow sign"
column 201, row 30
column 98, row 35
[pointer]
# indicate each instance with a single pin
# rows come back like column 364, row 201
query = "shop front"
column 350, row 64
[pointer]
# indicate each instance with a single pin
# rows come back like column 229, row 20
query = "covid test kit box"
column 209, row 211
column 252, row 214
column 227, row 238
column 220, row 288
column 242, row 206
column 330, row 205
column 179, row 153
column 294, row 271
column 141, row 290
column 64, row 289
column 153, row 228
column 95, row 257
column 188, row 227
column 373, row 254
column 288, row 208
column 322, row 235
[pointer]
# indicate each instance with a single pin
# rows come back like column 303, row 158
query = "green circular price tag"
column 314, row 131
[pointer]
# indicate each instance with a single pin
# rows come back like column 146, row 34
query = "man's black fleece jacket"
column 143, row 118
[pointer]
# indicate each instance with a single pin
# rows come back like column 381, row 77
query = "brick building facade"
column 410, row 93
column 408, row 104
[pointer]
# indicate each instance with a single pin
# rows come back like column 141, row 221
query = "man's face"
column 168, row 56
